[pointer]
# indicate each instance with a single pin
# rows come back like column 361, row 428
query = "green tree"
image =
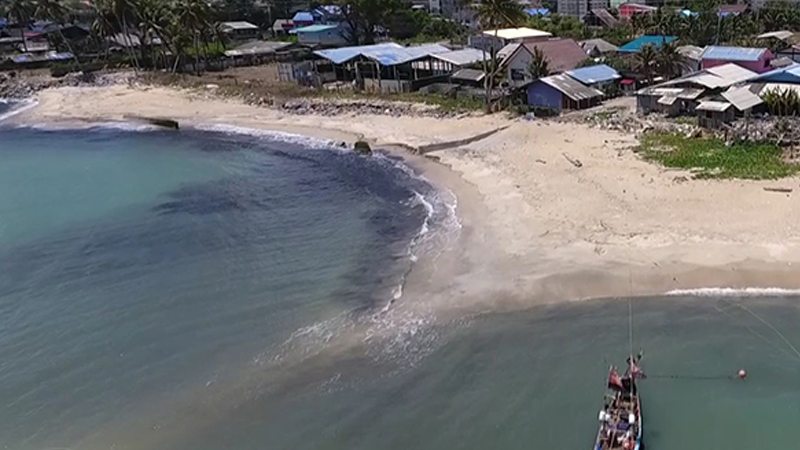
column 669, row 61
column 365, row 16
column 494, row 14
column 56, row 12
column 20, row 11
column 646, row 60
column 539, row 66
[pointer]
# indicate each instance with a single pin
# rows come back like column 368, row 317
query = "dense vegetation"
column 711, row 158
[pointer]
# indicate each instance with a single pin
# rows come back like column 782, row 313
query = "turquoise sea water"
column 197, row 290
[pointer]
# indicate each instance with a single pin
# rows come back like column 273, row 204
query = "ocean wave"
column 20, row 107
column 281, row 136
column 108, row 125
column 735, row 292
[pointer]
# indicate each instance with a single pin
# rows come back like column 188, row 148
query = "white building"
column 497, row 39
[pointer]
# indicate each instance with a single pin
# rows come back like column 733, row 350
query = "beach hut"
column 713, row 114
column 240, row 31
column 559, row 92
column 561, row 55
column 755, row 59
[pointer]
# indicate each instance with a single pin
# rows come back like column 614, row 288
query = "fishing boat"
column 621, row 416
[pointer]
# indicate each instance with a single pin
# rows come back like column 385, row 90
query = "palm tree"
column 56, row 12
column 646, row 61
column 20, row 10
column 494, row 14
column 103, row 25
column 539, row 66
column 669, row 61
column 195, row 16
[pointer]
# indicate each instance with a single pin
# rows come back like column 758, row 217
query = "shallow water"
column 206, row 291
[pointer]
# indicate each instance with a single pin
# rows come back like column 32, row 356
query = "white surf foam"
column 735, row 292
column 23, row 105
column 281, row 136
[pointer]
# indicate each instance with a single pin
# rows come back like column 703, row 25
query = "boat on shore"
column 621, row 416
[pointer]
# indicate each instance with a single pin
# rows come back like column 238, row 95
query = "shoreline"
column 535, row 228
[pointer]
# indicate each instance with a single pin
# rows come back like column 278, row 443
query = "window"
column 517, row 74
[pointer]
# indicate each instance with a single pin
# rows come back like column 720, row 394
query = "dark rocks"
column 15, row 86
column 362, row 148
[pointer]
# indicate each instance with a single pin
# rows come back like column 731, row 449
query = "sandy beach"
column 536, row 228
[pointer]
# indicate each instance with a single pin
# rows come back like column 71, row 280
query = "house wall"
column 326, row 37
column 760, row 66
column 630, row 10
column 517, row 72
column 543, row 95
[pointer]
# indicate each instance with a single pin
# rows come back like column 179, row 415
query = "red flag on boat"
column 614, row 381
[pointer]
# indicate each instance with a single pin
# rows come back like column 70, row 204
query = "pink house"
column 628, row 10
column 755, row 59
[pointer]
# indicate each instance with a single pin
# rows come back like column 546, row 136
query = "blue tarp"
column 594, row 74
column 733, row 53
column 388, row 54
column 636, row 45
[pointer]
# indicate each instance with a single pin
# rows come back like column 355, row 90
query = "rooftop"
column 241, row 25
column 516, row 33
column 461, row 57
column 713, row 106
column 387, row 54
column 742, row 98
column 303, row 16
column 594, row 74
column 314, row 29
column 780, row 35
column 746, row 54
column 473, row 75
column 570, row 87
column 600, row 45
column 691, row 51
column 653, row 40
column 561, row 54
column 258, row 48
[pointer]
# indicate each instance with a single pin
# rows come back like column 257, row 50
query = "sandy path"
column 537, row 228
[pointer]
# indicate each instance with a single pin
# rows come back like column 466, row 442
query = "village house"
column 628, row 10
column 755, row 59
column 596, row 48
column 559, row 92
column 561, row 55
column 241, row 30
column 332, row 35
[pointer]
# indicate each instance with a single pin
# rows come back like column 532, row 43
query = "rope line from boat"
column 794, row 356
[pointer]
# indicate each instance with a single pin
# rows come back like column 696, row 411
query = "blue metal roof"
column 733, row 53
column 388, row 54
column 303, row 16
column 637, row 44
column 788, row 74
column 594, row 74
column 536, row 11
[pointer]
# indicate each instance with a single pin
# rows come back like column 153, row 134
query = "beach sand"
column 536, row 228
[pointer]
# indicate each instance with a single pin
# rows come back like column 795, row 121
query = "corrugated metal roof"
column 742, row 98
column 594, row 74
column 713, row 106
column 462, row 57
column 388, row 54
column 517, row 33
column 313, row 29
column 600, row 45
column 784, row 74
column 637, row 44
column 561, row 54
column 469, row 75
column 667, row 100
column 733, row 53
column 690, row 51
column 258, row 48
column 570, row 87
column 303, row 16
column 780, row 35
column 241, row 25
